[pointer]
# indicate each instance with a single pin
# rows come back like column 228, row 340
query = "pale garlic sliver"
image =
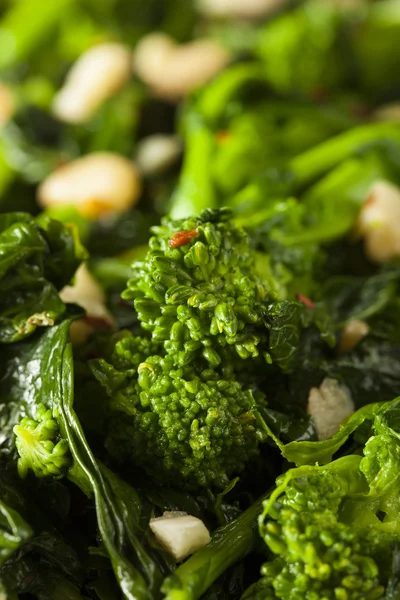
column 179, row 533
column 173, row 70
column 96, row 76
column 379, row 222
column 97, row 184
column 329, row 405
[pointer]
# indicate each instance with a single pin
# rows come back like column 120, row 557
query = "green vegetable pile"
column 208, row 326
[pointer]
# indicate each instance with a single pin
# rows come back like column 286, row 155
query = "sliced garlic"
column 329, row 405
column 180, row 533
column 242, row 9
column 96, row 76
column 7, row 103
column 388, row 112
column 157, row 153
column 173, row 70
column 97, row 184
column 87, row 293
column 353, row 332
column 379, row 222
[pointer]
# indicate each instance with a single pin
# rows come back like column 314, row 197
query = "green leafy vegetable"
column 26, row 24
column 254, row 289
column 333, row 527
column 49, row 354
column 14, row 532
column 178, row 423
column 36, row 447
column 297, row 46
column 229, row 544
column 38, row 257
column 196, row 292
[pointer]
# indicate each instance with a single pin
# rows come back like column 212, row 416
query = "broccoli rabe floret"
column 187, row 424
column 333, row 528
column 322, row 556
column 197, row 291
column 127, row 351
column 37, row 446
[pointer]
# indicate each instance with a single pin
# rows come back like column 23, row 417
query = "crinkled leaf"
column 351, row 297
column 40, row 369
column 321, row 452
column 37, row 258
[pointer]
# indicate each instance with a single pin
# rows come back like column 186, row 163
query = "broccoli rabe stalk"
column 333, row 528
column 38, row 448
column 329, row 46
column 181, row 401
column 298, row 45
column 313, row 163
column 197, row 291
column 183, row 424
column 249, row 204
column 229, row 544
column 195, row 191
column 26, row 24
column 375, row 47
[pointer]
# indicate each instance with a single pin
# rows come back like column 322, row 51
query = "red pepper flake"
column 319, row 94
column 223, row 136
column 306, row 301
column 370, row 199
column 182, row 237
column 361, row 111
column 92, row 355
column 124, row 303
column 97, row 323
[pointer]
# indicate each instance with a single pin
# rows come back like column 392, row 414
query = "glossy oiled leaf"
column 14, row 532
column 285, row 322
column 38, row 553
column 321, row 452
column 352, row 297
column 40, row 370
column 37, row 258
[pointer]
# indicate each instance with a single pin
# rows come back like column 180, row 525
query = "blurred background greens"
column 83, row 77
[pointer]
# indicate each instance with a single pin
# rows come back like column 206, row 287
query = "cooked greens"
column 237, row 358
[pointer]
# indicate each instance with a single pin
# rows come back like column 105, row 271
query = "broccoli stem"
column 6, row 172
column 195, row 191
column 215, row 97
column 253, row 203
column 26, row 24
column 313, row 163
column 229, row 544
column 113, row 271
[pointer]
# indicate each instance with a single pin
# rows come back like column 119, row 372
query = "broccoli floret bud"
column 261, row 590
column 180, row 423
column 324, row 552
column 196, row 291
column 325, row 558
column 128, row 351
column 37, row 446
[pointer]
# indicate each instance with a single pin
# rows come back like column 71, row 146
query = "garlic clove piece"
column 180, row 533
